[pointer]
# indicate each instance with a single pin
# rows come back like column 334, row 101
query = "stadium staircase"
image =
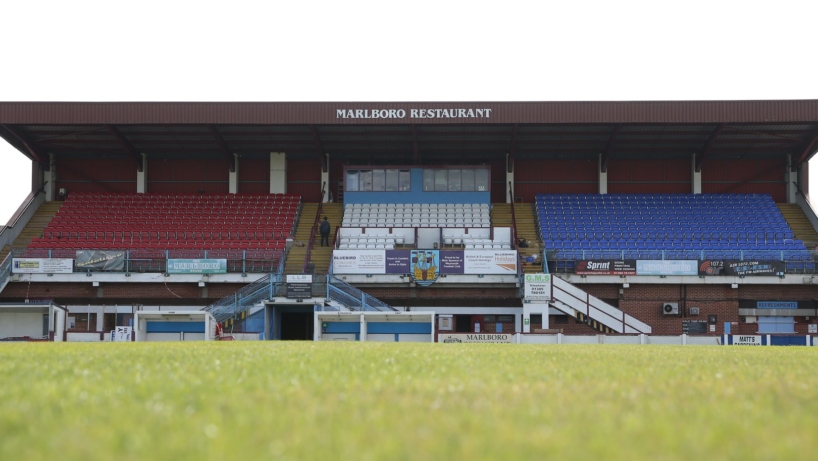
column 596, row 313
column 799, row 223
column 320, row 256
column 34, row 228
column 526, row 229
column 249, row 299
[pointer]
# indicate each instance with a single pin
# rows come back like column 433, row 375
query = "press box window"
column 391, row 180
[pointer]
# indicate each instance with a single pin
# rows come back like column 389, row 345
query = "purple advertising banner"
column 397, row 262
column 451, row 262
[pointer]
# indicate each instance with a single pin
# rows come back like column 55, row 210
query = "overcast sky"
column 398, row 51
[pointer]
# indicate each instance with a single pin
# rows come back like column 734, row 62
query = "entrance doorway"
column 297, row 326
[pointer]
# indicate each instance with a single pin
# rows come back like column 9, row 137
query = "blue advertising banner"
column 197, row 266
column 667, row 267
column 397, row 262
column 452, row 262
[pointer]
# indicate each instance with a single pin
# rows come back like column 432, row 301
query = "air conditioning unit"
column 694, row 311
column 670, row 308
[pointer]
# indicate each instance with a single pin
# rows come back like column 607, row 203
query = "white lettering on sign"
column 413, row 113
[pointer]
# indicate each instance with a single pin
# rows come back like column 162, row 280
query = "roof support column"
column 233, row 176
column 278, row 173
column 325, row 180
column 696, row 177
column 603, row 175
column 142, row 175
column 792, row 181
column 509, row 178
column 50, row 179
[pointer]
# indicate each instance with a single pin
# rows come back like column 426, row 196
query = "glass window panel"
column 440, row 180
column 352, row 180
column 428, row 180
column 454, row 180
column 405, row 180
column 378, row 180
column 481, row 180
column 392, row 180
column 366, row 181
column 467, row 180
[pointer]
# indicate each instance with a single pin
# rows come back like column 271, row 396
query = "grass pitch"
column 275, row 400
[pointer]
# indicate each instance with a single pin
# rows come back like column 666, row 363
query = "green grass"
column 275, row 400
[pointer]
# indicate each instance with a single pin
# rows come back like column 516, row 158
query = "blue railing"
column 245, row 298
column 353, row 298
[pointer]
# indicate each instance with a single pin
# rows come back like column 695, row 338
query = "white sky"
column 398, row 51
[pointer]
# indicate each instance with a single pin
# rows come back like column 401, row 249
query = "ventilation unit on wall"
column 694, row 311
column 670, row 308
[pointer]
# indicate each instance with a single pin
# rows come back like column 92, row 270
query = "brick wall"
column 122, row 293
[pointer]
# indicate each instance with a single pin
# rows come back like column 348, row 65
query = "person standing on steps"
column 324, row 229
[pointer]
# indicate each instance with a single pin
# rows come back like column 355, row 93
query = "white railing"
column 570, row 296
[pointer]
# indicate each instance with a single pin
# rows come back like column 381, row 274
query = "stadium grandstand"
column 449, row 221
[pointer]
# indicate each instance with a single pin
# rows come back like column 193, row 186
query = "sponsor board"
column 489, row 262
column 299, row 278
column 98, row 260
column 475, row 338
column 359, row 262
column 197, row 266
column 606, row 267
column 742, row 268
column 299, row 286
column 537, row 287
column 667, row 267
column 746, row 340
column 42, row 266
column 453, row 262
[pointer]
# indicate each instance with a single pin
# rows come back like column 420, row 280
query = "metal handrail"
column 312, row 232
column 354, row 296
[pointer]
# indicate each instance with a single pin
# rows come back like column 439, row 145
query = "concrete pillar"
column 362, row 336
column 530, row 308
column 278, row 173
column 325, row 180
column 233, row 187
column 100, row 316
column 142, row 176
column 50, row 179
column 603, row 178
column 696, row 181
column 509, row 180
column 317, row 327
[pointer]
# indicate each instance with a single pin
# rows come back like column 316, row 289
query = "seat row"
column 416, row 222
